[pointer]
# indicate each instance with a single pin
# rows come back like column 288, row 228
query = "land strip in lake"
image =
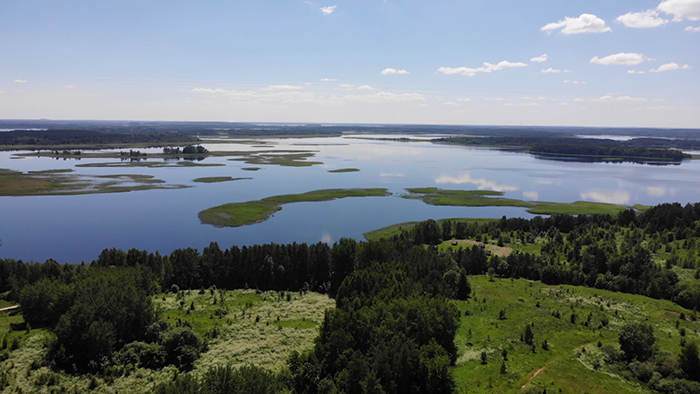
column 279, row 158
column 344, row 170
column 244, row 213
column 63, row 182
column 217, row 179
column 489, row 198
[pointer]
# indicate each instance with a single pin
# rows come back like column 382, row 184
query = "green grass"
column 215, row 179
column 488, row 198
column 61, row 182
column 344, row 170
column 567, row 367
column 279, row 158
column 256, row 328
column 245, row 213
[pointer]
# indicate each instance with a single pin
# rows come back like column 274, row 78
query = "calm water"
column 76, row 228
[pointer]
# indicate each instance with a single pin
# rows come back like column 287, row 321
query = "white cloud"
column 385, row 97
column 328, row 10
column 670, row 67
column 586, row 23
column 481, row 183
column 617, row 198
column 494, row 99
column 530, row 104
column 451, row 104
column 391, row 71
column 575, row 82
column 365, row 87
column 627, row 59
column 542, row 98
column 68, row 87
column 563, row 103
column 540, row 59
column 642, row 20
column 693, row 29
column 609, row 97
column 282, row 87
column 328, row 79
column 488, row 68
column 463, row 100
column 20, row 81
column 346, row 86
column 544, row 182
column 681, row 9
column 635, row 72
column 550, row 71
column 532, row 195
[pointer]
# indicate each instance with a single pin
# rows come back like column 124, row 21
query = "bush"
column 182, row 347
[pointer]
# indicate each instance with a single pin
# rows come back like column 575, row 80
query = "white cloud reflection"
column 656, row 191
column 480, row 183
column 532, row 195
column 617, row 198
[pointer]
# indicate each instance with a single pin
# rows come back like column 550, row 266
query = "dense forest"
column 635, row 149
column 87, row 137
column 393, row 327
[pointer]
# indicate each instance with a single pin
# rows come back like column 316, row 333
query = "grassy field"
column 244, row 213
column 278, row 158
column 345, row 170
column 216, row 179
column 250, row 328
column 573, row 362
column 150, row 164
column 488, row 198
column 62, row 182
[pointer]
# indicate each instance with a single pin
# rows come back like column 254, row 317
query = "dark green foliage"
column 637, row 341
column 182, row 347
column 528, row 336
column 464, row 289
column 44, row 302
column 690, row 361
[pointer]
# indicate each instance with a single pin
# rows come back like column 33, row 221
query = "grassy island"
column 244, row 213
column 345, row 170
column 489, row 198
column 216, row 179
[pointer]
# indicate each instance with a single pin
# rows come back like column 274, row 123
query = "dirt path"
column 539, row 371
column 9, row 308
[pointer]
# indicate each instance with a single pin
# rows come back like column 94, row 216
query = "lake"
column 76, row 228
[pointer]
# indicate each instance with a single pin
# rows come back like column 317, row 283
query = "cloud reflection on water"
column 480, row 183
column 617, row 198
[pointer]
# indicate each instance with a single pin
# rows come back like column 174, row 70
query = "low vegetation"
column 244, row 213
column 217, row 179
column 488, row 198
column 341, row 170
column 278, row 158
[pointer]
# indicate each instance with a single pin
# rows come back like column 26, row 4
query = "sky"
column 621, row 63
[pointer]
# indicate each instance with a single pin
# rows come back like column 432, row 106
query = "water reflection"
column 656, row 191
column 532, row 195
column 480, row 183
column 617, row 198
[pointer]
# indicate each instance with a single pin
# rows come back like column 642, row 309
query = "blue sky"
column 607, row 63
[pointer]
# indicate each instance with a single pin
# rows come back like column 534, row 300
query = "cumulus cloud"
column 540, row 59
column 642, row 20
column 365, row 87
column 20, row 81
column 610, row 98
column 550, row 71
column 617, row 198
column 586, row 23
column 681, row 9
column 392, row 71
column 480, row 183
column 346, row 86
column 386, row 97
column 463, row 100
column 693, row 29
column 488, row 68
column 328, row 79
column 575, row 82
column 328, row 10
column 626, row 59
column 670, row 67
column 451, row 104
column 282, row 87
column 494, row 99
column 636, row 72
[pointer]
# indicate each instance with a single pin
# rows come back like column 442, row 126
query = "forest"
column 394, row 325
column 41, row 138
column 638, row 148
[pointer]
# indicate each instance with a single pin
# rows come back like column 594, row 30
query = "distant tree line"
column 42, row 138
column 639, row 148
